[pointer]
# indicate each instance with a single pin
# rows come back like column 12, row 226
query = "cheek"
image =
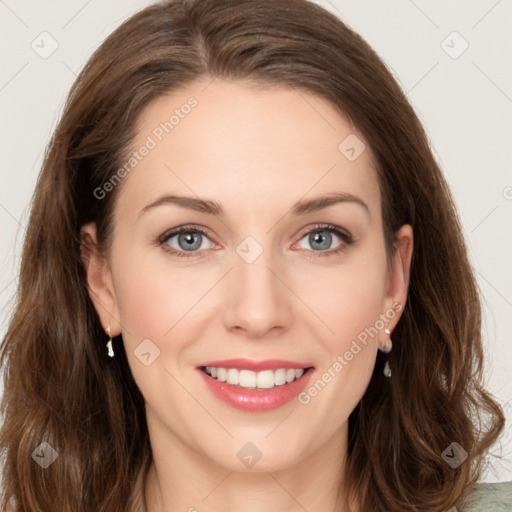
column 144, row 304
column 349, row 298
column 153, row 302
column 351, row 308
column 150, row 297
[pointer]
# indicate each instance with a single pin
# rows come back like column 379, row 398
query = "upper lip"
column 249, row 364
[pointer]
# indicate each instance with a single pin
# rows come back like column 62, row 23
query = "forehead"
column 247, row 147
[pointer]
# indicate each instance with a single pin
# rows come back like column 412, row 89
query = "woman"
column 181, row 342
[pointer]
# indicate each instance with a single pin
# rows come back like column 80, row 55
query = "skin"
column 256, row 152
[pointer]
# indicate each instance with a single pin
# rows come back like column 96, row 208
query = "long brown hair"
column 60, row 388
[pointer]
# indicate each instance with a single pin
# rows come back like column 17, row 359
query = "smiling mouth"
column 248, row 379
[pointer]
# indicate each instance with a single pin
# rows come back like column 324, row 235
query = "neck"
column 181, row 479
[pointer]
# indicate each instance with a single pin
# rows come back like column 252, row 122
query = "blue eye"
column 191, row 240
column 320, row 239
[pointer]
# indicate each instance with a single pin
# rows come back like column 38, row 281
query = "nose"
column 259, row 301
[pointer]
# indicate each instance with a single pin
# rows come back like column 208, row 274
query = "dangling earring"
column 386, row 348
column 109, row 343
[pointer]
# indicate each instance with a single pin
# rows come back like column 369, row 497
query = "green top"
column 490, row 498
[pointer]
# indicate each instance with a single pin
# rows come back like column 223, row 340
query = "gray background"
column 464, row 99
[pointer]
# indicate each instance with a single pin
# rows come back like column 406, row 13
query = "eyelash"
column 342, row 234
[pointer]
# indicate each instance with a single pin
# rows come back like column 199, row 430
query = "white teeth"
column 233, row 376
column 247, row 378
column 280, row 377
column 266, row 379
column 290, row 375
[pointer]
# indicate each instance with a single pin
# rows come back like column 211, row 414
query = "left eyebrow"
column 318, row 203
column 213, row 208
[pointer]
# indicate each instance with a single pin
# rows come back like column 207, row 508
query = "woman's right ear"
column 99, row 279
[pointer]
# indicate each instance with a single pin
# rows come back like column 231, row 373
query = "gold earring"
column 109, row 343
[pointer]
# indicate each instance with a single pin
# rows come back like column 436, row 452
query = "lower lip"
column 256, row 400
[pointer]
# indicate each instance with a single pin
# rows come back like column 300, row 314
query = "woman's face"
column 265, row 280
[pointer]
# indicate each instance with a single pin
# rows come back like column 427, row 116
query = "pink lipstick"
column 255, row 386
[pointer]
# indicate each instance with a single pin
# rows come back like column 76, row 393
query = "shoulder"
column 490, row 498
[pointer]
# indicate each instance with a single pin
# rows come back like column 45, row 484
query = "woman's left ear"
column 399, row 273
